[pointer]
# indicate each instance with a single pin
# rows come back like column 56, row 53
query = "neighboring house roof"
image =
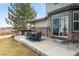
column 65, row 8
column 38, row 20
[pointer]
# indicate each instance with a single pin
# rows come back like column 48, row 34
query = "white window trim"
column 75, row 11
column 59, row 32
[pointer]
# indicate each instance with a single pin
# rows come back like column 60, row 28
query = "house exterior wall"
column 43, row 23
column 73, row 34
column 43, row 26
column 51, row 7
column 42, row 29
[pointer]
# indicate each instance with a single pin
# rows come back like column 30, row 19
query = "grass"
column 10, row 47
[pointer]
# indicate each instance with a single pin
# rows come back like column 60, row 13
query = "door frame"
column 59, row 28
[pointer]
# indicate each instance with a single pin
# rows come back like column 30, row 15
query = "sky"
column 40, row 9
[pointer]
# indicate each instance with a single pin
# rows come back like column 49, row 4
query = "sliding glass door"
column 60, row 26
column 56, row 26
column 63, row 26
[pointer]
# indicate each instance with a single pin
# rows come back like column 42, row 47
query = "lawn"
column 10, row 47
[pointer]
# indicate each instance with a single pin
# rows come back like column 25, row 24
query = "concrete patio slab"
column 48, row 47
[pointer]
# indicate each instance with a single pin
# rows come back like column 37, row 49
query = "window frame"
column 61, row 18
column 75, row 21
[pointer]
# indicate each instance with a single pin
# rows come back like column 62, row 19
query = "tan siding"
column 43, row 26
column 42, row 23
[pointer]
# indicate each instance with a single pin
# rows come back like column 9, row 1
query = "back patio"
column 50, row 49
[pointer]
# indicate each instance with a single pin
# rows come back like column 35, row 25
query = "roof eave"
column 65, row 8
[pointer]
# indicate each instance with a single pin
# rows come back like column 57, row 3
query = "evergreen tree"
column 19, row 14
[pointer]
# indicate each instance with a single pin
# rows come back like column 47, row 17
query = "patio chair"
column 36, row 37
column 72, row 41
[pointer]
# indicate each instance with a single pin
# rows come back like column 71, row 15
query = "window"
column 76, row 21
column 64, row 26
column 76, row 16
column 76, row 26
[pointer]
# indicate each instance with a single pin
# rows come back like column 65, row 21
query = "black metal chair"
column 72, row 42
column 36, row 37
